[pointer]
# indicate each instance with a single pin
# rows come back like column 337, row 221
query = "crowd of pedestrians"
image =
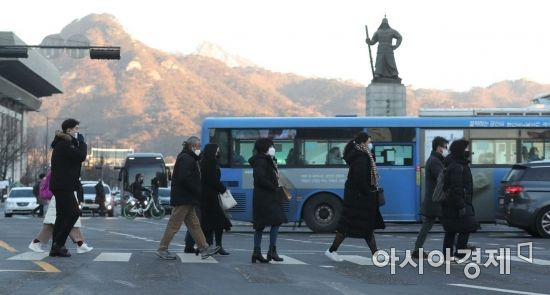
column 196, row 186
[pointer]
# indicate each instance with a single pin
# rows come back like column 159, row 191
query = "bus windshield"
column 149, row 171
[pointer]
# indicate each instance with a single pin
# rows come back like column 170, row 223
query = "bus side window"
column 393, row 155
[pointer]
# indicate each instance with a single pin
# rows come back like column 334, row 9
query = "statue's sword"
column 370, row 52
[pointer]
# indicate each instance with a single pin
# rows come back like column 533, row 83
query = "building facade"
column 23, row 81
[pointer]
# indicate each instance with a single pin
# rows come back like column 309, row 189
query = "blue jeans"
column 272, row 237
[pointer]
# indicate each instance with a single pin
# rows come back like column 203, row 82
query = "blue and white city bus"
column 307, row 152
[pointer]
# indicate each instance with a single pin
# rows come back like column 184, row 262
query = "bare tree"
column 35, row 159
column 11, row 146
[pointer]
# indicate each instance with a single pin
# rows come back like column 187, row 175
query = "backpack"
column 440, row 194
column 440, row 191
column 44, row 189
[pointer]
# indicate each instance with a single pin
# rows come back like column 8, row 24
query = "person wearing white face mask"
column 430, row 210
column 267, row 202
column 185, row 194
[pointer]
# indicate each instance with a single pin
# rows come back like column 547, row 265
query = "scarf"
column 374, row 176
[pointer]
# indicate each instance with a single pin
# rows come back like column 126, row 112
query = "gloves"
column 462, row 212
column 80, row 137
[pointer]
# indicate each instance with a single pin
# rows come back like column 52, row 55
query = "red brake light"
column 513, row 189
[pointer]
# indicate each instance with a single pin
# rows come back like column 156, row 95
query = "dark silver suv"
column 524, row 198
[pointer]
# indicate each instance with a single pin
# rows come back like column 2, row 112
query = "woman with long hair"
column 213, row 219
column 360, row 214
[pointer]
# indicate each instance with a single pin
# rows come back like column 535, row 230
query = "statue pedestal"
column 386, row 99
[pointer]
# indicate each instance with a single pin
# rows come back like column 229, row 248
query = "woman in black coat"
column 267, row 202
column 213, row 218
column 361, row 214
column 458, row 216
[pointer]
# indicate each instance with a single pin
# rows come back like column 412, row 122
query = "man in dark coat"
column 430, row 210
column 458, row 215
column 360, row 214
column 185, row 194
column 69, row 151
column 100, row 197
column 267, row 201
column 213, row 219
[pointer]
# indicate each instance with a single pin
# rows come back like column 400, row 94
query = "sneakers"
column 165, row 255
column 209, row 251
column 84, row 248
column 333, row 256
column 36, row 247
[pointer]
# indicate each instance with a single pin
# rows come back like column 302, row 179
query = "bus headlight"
column 145, row 202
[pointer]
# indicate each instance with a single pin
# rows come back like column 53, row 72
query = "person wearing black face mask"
column 213, row 218
column 458, row 215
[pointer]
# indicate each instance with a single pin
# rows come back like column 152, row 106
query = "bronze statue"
column 386, row 69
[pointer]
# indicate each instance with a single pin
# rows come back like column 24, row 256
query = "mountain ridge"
column 150, row 99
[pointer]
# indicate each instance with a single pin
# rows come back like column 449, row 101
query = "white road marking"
column 535, row 261
column 289, row 260
column 113, row 257
column 357, row 259
column 192, row 258
column 496, row 289
column 29, row 256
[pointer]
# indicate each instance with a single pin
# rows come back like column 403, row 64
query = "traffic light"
column 104, row 53
column 14, row 52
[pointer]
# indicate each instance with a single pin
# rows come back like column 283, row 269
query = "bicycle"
column 134, row 207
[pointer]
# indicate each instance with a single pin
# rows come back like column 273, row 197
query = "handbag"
column 227, row 201
column 287, row 196
column 380, row 196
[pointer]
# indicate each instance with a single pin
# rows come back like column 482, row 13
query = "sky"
column 446, row 44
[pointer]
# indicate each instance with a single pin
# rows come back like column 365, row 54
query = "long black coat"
column 458, row 180
column 212, row 215
column 360, row 214
column 186, row 180
column 67, row 157
column 267, row 202
column 434, row 166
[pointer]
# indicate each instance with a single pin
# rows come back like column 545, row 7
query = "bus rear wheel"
column 322, row 212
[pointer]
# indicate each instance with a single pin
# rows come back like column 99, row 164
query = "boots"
column 272, row 254
column 222, row 251
column 257, row 256
column 59, row 251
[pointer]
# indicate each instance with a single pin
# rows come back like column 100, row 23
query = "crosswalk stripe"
column 289, row 260
column 29, row 256
column 113, row 257
column 357, row 259
column 535, row 261
column 192, row 258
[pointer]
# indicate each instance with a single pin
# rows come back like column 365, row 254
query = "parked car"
column 20, row 200
column 524, row 198
column 90, row 205
column 164, row 198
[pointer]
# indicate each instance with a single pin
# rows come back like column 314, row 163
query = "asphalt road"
column 123, row 262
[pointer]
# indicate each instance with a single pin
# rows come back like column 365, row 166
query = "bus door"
column 398, row 178
column 240, row 182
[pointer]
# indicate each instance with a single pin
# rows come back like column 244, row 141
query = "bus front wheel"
column 322, row 212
